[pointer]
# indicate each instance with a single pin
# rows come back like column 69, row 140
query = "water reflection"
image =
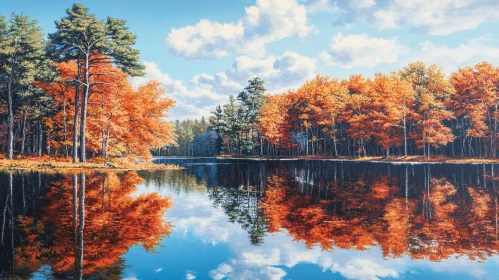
column 76, row 225
column 423, row 212
column 238, row 219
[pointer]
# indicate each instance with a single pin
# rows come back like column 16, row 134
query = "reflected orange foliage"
column 115, row 220
column 441, row 222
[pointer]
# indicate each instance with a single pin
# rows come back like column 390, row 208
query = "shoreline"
column 379, row 159
column 48, row 164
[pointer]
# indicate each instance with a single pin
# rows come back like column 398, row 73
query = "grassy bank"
column 408, row 159
column 45, row 163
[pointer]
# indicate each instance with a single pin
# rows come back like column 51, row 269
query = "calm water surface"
column 245, row 219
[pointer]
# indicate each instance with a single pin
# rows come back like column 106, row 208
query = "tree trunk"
column 76, row 116
column 10, row 140
column 40, row 137
column 84, row 101
column 66, row 151
column 405, row 137
column 23, row 141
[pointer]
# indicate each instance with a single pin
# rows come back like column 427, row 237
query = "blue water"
column 206, row 243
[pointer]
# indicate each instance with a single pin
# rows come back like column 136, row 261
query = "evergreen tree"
column 217, row 125
column 251, row 99
column 22, row 60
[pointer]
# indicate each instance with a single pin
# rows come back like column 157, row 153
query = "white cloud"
column 363, row 4
column 237, row 270
column 158, row 270
column 189, row 276
column 204, row 92
column 362, row 50
column 467, row 54
column 266, row 21
column 437, row 17
column 364, row 269
column 278, row 72
column 190, row 102
column 316, row 6
column 205, row 38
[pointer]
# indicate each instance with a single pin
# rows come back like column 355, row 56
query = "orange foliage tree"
column 123, row 121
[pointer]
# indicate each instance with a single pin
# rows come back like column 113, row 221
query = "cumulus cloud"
column 205, row 38
column 266, row 21
column 362, row 50
column 438, row 17
column 316, row 6
column 364, row 269
column 441, row 17
column 278, row 72
column 451, row 58
column 189, row 276
column 204, row 92
column 190, row 102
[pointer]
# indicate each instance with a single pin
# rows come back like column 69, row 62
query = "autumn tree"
column 475, row 106
column 392, row 100
column 81, row 36
column 432, row 91
column 124, row 121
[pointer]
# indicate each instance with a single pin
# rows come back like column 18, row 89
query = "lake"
column 250, row 219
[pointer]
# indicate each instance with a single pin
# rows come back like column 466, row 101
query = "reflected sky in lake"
column 237, row 219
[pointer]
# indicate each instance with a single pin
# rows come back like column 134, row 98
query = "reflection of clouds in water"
column 237, row 270
column 195, row 212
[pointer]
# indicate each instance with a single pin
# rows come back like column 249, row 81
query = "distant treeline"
column 418, row 110
column 191, row 138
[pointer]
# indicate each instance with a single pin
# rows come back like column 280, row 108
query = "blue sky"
column 202, row 51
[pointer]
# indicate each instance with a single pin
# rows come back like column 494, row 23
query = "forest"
column 68, row 94
column 416, row 111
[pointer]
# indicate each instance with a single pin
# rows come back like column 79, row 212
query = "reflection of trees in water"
column 425, row 212
column 177, row 180
column 82, row 225
column 240, row 199
column 241, row 206
column 237, row 188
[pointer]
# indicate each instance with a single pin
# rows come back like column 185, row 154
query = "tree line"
column 190, row 138
column 69, row 94
column 232, row 129
column 418, row 110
